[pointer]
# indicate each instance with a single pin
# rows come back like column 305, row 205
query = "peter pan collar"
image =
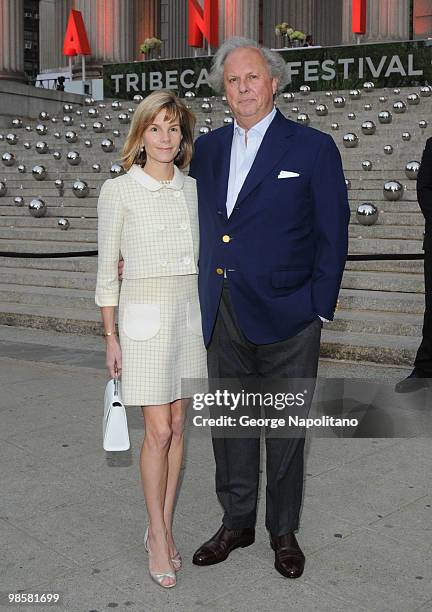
column 139, row 175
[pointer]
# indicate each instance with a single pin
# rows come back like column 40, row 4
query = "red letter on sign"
column 203, row 22
column 76, row 41
column 359, row 16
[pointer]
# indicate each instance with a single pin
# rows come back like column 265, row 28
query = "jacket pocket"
column 141, row 321
column 290, row 278
column 193, row 318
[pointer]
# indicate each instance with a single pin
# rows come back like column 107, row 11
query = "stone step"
column 391, row 265
column 383, row 281
column 49, row 278
column 47, row 222
column 16, row 212
column 68, row 264
column 58, row 319
column 374, row 348
column 42, row 246
column 48, row 296
column 386, row 232
column 391, row 246
column 381, row 301
column 47, row 235
column 370, row 322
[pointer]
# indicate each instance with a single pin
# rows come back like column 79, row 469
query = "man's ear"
column 275, row 83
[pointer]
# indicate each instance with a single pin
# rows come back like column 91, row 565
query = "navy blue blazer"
column 285, row 243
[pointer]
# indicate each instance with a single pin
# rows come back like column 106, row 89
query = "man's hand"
column 120, row 268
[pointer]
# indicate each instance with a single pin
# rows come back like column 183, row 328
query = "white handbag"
column 115, row 428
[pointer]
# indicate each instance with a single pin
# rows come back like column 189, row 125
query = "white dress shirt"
column 243, row 152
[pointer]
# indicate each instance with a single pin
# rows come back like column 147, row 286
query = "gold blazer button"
column 219, row 271
column 226, row 238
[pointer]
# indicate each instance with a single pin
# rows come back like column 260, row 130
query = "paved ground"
column 72, row 517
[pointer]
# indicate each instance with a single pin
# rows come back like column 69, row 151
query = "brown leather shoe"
column 289, row 559
column 221, row 544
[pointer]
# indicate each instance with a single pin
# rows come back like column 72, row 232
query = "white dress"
column 156, row 229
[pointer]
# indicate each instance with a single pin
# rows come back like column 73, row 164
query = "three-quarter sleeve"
column 110, row 223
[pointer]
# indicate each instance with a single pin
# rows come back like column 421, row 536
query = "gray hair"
column 275, row 63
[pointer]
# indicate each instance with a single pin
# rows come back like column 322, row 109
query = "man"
column 274, row 234
column 423, row 362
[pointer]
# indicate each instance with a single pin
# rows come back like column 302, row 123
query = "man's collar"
column 139, row 175
column 260, row 127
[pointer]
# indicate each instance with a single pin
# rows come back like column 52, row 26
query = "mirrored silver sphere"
column 57, row 135
column 63, row 223
column 54, row 120
column 27, row 145
column 41, row 129
column 41, row 147
column 67, row 108
column 73, row 158
column 3, row 188
column 107, row 145
column 206, row 100
column 426, row 91
column 288, row 96
column 396, row 91
column 399, row 107
column 385, row 117
column 228, row 120
column 413, row 99
column 388, row 149
column 98, row 127
column 96, row 167
column 137, row 98
column 295, row 109
column 59, row 184
column 87, row 143
column 206, row 107
column 116, row 133
column 329, row 94
column 423, row 124
column 93, row 112
column 350, row 140
column 334, row 126
column 304, row 89
column 355, row 94
column 367, row 165
column 88, row 101
column 393, row 191
column 411, row 170
column 107, row 117
column 57, row 155
column 8, row 159
column 28, row 128
column 68, row 120
column 303, row 118
column 368, row 128
column 312, row 101
column 368, row 107
column 406, row 136
column 123, row 118
column 71, row 136
column 80, row 189
column 208, row 120
column 131, row 110
column 17, row 123
column 83, row 126
column 12, row 139
column 367, row 214
column 189, row 95
column 116, row 169
column 205, row 129
column 339, row 101
column 116, row 105
column 21, row 168
column 102, row 105
column 19, row 201
column 351, row 116
column 39, row 172
column 368, row 86
column 37, row 207
column 383, row 99
column 348, row 183
column 321, row 110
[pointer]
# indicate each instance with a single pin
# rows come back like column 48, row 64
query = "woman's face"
column 162, row 139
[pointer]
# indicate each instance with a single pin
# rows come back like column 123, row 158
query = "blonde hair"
column 146, row 111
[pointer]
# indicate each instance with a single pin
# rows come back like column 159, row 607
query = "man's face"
column 249, row 88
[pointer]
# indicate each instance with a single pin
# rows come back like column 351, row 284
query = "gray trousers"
column 231, row 354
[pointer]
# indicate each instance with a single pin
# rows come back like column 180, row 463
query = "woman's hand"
column 113, row 357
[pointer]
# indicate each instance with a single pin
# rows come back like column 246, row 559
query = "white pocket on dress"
column 193, row 316
column 141, row 321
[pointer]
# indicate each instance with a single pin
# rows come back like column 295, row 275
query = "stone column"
column 240, row 19
column 110, row 29
column 53, row 18
column 386, row 20
column 12, row 40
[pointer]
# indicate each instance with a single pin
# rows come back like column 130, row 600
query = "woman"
column 150, row 215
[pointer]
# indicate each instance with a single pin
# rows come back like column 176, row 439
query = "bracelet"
column 111, row 333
